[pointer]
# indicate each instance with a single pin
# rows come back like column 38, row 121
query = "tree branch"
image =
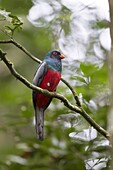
column 73, row 92
column 12, row 41
column 54, row 95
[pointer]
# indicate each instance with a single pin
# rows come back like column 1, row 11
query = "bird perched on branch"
column 46, row 77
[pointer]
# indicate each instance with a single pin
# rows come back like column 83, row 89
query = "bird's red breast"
column 49, row 82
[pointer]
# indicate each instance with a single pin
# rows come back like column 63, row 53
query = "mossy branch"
column 75, row 108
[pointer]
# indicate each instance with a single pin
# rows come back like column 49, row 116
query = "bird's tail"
column 39, row 123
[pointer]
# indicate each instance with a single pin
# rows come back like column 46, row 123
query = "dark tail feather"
column 39, row 123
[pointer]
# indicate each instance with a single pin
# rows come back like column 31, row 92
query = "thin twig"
column 73, row 92
column 12, row 41
column 54, row 95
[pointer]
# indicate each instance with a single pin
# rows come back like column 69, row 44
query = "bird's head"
column 55, row 55
column 53, row 59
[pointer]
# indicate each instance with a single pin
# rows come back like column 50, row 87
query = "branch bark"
column 12, row 41
column 77, row 109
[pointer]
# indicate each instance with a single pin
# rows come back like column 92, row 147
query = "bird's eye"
column 55, row 53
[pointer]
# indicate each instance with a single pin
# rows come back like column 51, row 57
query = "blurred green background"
column 70, row 143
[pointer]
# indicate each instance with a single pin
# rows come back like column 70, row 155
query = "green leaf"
column 13, row 22
column 102, row 24
column 88, row 69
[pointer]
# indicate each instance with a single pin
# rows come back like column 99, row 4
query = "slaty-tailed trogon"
column 47, row 77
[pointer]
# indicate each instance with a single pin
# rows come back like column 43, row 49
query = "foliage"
column 69, row 141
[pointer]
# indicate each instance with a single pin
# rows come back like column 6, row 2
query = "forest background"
column 80, row 30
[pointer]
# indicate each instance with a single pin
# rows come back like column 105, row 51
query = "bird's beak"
column 62, row 56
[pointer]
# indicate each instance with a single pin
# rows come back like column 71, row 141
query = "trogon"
column 46, row 77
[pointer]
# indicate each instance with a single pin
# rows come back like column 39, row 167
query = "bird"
column 47, row 76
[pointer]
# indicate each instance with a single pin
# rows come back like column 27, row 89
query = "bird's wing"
column 39, row 112
column 40, row 73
